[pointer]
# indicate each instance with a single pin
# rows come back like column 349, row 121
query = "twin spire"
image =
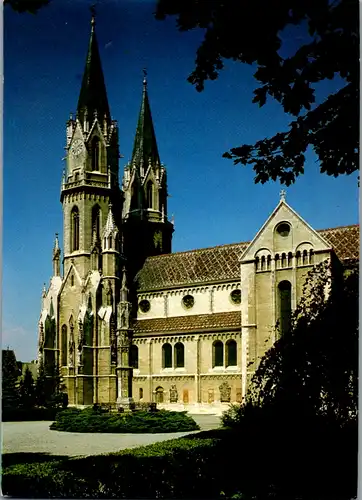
column 93, row 100
column 145, row 146
column 93, row 95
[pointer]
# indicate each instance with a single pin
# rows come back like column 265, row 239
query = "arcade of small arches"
column 284, row 260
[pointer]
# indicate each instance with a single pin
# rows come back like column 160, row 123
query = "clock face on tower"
column 77, row 148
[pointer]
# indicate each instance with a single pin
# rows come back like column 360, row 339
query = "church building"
column 128, row 320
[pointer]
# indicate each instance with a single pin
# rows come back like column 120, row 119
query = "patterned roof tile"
column 221, row 263
column 180, row 324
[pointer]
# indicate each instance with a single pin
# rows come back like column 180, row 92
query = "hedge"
column 23, row 414
column 91, row 420
column 258, row 463
column 175, row 468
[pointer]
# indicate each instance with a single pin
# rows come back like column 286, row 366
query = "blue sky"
column 213, row 201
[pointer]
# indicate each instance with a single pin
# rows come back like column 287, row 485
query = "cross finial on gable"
column 282, row 194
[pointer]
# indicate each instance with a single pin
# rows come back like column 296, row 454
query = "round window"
column 235, row 296
column 283, row 229
column 188, row 301
column 144, row 306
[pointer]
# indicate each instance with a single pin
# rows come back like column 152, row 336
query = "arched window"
column 217, row 353
column 285, row 305
column 96, row 222
column 88, row 328
column 159, row 394
column 141, row 393
column 74, row 223
column 268, row 262
column 95, row 154
column 305, row 257
column 179, row 351
column 290, row 259
column 277, row 261
column 257, row 264
column 284, row 260
column 311, row 256
column 72, row 280
column 231, row 353
column 134, row 356
column 149, row 194
column 49, row 341
column 166, row 356
column 64, row 341
column 263, row 263
column 298, row 258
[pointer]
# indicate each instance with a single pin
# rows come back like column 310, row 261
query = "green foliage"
column 155, row 471
column 10, row 374
column 41, row 393
column 28, row 414
column 31, row 6
column 255, row 463
column 252, row 33
column 49, row 388
column 90, row 420
column 27, row 390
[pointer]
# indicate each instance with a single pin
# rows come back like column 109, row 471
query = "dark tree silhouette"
column 41, row 392
column 31, row 6
column 10, row 375
column 250, row 32
column 27, row 390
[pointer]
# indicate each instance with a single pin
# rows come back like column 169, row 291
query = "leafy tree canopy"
column 10, row 374
column 31, row 6
column 27, row 390
column 250, row 32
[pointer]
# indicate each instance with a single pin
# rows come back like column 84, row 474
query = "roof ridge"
column 338, row 227
column 238, row 243
column 199, row 249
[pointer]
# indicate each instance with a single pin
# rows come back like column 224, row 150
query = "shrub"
column 155, row 471
column 215, row 464
column 28, row 414
column 98, row 420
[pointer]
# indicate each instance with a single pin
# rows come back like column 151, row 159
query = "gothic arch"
column 74, row 225
column 96, row 222
column 95, row 153
column 149, row 194
column 231, row 353
column 217, row 353
column 166, row 356
column 179, row 355
column 64, row 344
column 285, row 305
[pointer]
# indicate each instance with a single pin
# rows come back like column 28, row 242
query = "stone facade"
column 126, row 319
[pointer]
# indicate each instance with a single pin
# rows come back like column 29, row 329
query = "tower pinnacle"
column 93, row 96
column 145, row 146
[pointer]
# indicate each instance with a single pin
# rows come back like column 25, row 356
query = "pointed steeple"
column 110, row 232
column 110, row 227
column 145, row 146
column 93, row 96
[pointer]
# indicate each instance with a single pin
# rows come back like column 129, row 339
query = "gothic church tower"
column 86, row 320
column 146, row 228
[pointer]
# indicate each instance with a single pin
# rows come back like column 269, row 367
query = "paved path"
column 36, row 437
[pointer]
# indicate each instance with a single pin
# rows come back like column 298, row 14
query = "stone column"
column 124, row 371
